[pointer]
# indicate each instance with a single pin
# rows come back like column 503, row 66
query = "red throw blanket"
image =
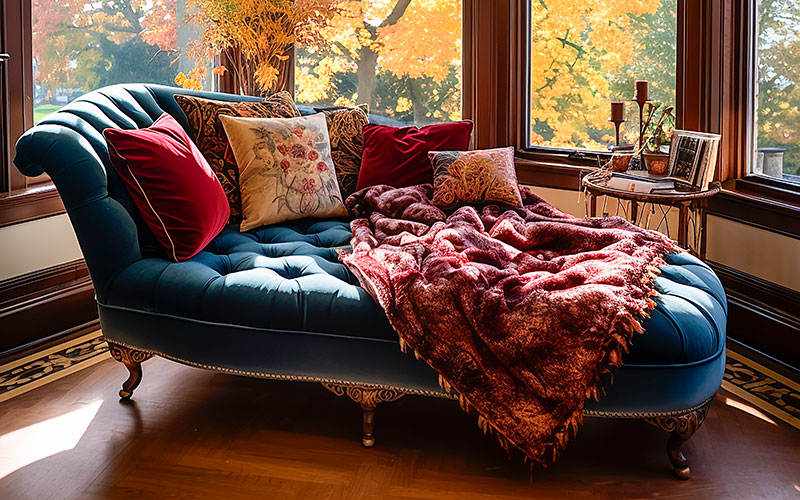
column 519, row 310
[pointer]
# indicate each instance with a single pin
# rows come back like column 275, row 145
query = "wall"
column 37, row 245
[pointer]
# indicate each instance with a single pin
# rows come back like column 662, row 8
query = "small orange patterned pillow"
column 470, row 177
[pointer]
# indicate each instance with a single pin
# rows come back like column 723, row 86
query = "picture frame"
column 693, row 158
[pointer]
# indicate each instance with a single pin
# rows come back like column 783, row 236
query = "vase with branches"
column 255, row 36
column 657, row 137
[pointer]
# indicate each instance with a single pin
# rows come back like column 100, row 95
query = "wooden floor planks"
column 194, row 434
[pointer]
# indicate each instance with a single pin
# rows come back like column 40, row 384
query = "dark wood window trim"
column 32, row 204
column 22, row 199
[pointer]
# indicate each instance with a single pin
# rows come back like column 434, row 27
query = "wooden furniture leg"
column 683, row 225
column 681, row 428
column 132, row 359
column 368, row 398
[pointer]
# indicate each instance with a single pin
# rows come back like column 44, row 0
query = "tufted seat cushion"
column 288, row 277
column 283, row 277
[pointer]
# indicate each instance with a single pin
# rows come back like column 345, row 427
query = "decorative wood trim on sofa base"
column 681, row 428
column 132, row 359
column 682, row 423
column 369, row 399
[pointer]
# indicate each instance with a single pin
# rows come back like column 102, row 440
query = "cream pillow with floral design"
column 285, row 169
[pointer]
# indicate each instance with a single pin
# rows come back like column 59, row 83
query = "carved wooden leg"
column 132, row 359
column 368, row 399
column 681, row 428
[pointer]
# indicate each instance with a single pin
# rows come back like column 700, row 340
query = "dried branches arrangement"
column 256, row 35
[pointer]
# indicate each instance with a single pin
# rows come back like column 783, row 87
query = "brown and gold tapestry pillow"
column 470, row 177
column 209, row 136
column 346, row 132
column 285, row 169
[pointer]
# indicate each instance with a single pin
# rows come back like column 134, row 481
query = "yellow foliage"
column 575, row 45
column 424, row 42
column 192, row 81
column 403, row 104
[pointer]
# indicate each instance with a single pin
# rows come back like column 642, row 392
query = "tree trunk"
column 417, row 102
column 367, row 64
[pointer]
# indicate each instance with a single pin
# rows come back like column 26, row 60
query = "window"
column 585, row 54
column 80, row 46
column 778, row 90
column 402, row 57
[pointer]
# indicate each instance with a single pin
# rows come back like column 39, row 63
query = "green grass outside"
column 42, row 110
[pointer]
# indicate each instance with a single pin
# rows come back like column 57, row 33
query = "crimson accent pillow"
column 398, row 157
column 178, row 194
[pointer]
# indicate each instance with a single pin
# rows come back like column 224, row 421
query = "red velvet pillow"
column 176, row 191
column 399, row 156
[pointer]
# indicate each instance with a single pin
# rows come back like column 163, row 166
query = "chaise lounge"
column 277, row 303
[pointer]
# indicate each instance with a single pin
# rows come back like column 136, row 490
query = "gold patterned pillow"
column 209, row 136
column 346, row 132
column 285, row 169
column 470, row 177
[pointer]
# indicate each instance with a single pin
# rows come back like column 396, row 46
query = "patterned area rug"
column 24, row 374
column 756, row 384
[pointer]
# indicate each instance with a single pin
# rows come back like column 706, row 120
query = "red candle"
column 642, row 91
column 617, row 111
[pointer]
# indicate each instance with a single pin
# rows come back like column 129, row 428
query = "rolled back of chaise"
column 69, row 146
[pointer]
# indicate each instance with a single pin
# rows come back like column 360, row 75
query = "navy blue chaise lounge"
column 276, row 302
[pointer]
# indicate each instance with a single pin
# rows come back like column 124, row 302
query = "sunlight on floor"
column 44, row 439
column 748, row 409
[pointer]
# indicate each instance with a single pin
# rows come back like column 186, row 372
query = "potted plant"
column 255, row 36
column 658, row 134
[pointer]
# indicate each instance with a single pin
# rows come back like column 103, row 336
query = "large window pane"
column 585, row 54
column 81, row 45
column 778, row 102
column 402, row 57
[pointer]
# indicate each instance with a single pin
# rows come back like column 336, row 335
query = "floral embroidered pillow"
column 205, row 129
column 285, row 169
column 473, row 177
column 346, row 132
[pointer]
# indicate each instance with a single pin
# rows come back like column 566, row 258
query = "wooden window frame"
column 22, row 199
column 714, row 93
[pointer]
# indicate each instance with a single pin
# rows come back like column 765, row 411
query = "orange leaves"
column 192, row 81
column 160, row 25
column 416, row 39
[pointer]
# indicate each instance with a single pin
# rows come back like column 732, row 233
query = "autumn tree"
column 585, row 53
column 82, row 44
column 402, row 57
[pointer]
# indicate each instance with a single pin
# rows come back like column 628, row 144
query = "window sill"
column 759, row 207
column 33, row 203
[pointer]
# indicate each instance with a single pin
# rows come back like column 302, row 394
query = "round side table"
column 687, row 201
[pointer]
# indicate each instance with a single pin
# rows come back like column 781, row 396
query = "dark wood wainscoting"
column 45, row 306
column 762, row 315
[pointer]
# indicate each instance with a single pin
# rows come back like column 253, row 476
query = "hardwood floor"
column 194, row 434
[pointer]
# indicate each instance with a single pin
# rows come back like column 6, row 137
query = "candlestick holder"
column 641, row 103
column 617, row 124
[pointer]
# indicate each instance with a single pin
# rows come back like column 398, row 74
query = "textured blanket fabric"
column 519, row 310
